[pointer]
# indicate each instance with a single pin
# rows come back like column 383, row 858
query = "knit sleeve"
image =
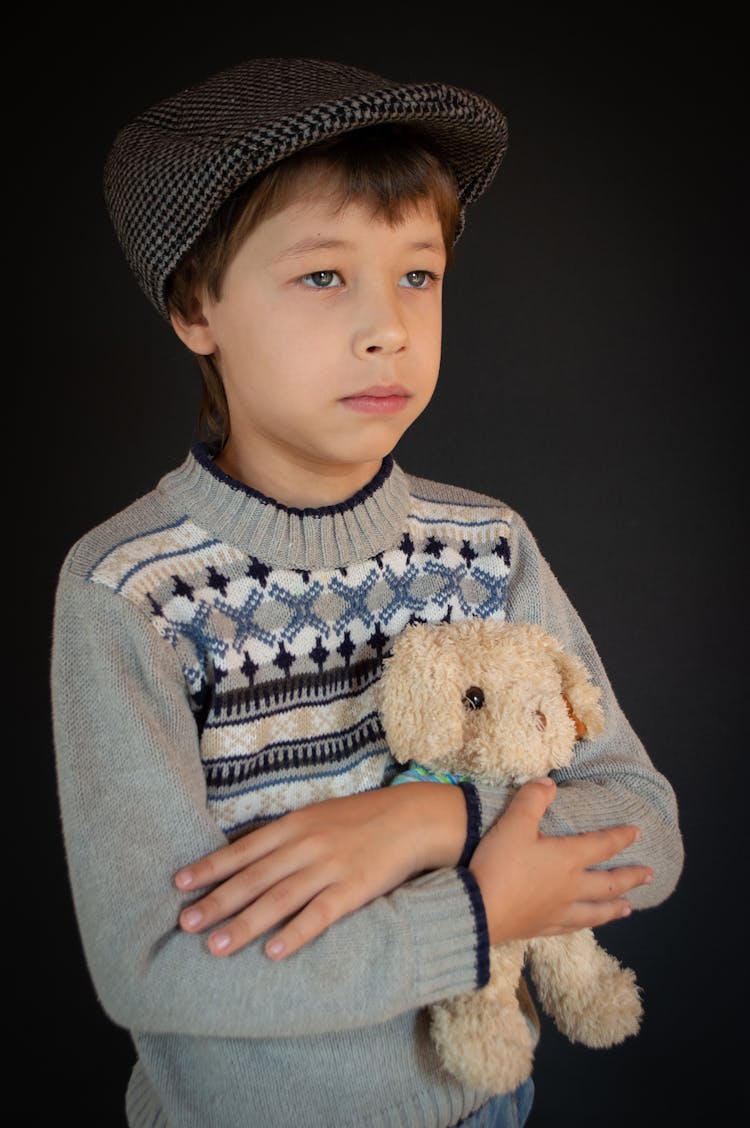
column 611, row 780
column 133, row 803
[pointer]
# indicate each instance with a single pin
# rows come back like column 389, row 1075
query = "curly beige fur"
column 536, row 701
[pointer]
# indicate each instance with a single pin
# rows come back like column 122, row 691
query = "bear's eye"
column 473, row 698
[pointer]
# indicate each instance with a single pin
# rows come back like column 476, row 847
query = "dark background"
column 592, row 355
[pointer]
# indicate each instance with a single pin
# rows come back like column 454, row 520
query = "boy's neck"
column 308, row 486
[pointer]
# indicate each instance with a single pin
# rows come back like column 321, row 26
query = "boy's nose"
column 380, row 328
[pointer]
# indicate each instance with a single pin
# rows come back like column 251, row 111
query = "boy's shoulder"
column 458, row 500
column 148, row 516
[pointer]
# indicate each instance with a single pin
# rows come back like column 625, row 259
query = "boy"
column 217, row 644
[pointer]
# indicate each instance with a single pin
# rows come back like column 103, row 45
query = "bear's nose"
column 473, row 698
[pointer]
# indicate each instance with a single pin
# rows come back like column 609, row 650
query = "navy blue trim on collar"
column 204, row 455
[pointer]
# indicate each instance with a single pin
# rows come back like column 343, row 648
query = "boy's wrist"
column 446, row 819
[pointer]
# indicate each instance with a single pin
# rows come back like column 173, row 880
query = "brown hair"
column 390, row 168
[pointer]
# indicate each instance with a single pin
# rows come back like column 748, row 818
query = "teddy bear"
column 503, row 703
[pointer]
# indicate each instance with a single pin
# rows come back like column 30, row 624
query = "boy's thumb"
column 533, row 798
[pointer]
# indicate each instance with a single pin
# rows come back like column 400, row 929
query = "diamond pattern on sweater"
column 282, row 664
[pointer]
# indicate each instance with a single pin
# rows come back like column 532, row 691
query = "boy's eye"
column 321, row 279
column 417, row 279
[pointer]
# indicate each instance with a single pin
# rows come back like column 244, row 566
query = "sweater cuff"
column 450, row 938
column 473, row 822
column 482, row 931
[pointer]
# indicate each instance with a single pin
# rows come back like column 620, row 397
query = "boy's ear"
column 196, row 333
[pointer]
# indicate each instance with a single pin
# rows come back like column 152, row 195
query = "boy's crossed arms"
column 306, row 870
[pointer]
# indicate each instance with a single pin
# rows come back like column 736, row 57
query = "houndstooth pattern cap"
column 170, row 169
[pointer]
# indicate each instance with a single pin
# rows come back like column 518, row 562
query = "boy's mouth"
column 380, row 399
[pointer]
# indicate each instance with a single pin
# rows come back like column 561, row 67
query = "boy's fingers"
column 243, row 889
column 277, row 904
column 224, row 862
column 586, row 914
column 221, row 903
column 600, row 845
column 604, row 885
column 306, row 906
column 328, row 907
column 251, row 847
column 332, row 903
column 531, row 802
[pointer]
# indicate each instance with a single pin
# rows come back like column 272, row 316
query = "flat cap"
column 171, row 168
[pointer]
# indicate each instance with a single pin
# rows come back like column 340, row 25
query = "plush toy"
column 504, row 703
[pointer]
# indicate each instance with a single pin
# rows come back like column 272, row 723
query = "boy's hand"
column 313, row 866
column 534, row 885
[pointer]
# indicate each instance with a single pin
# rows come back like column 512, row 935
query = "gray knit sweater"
column 213, row 667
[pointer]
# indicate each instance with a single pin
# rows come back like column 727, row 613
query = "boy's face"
column 327, row 335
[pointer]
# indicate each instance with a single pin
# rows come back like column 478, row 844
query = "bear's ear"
column 420, row 695
column 580, row 694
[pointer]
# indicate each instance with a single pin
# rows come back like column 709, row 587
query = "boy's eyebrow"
column 316, row 243
column 313, row 243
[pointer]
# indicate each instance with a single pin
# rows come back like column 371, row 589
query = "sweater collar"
column 330, row 537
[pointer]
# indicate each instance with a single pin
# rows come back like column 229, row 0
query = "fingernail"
column 183, row 879
column 192, row 918
column 546, row 781
column 638, row 834
column 275, row 948
column 626, row 910
column 648, row 879
column 219, row 942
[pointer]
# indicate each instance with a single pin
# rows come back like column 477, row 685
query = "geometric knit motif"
column 280, row 663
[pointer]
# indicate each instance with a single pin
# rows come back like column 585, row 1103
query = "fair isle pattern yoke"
column 280, row 663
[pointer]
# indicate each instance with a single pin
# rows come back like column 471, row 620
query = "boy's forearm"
column 399, row 952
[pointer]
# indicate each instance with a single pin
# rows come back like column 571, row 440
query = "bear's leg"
column 590, row 996
column 482, row 1036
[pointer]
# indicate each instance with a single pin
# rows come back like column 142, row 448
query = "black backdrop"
column 592, row 351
